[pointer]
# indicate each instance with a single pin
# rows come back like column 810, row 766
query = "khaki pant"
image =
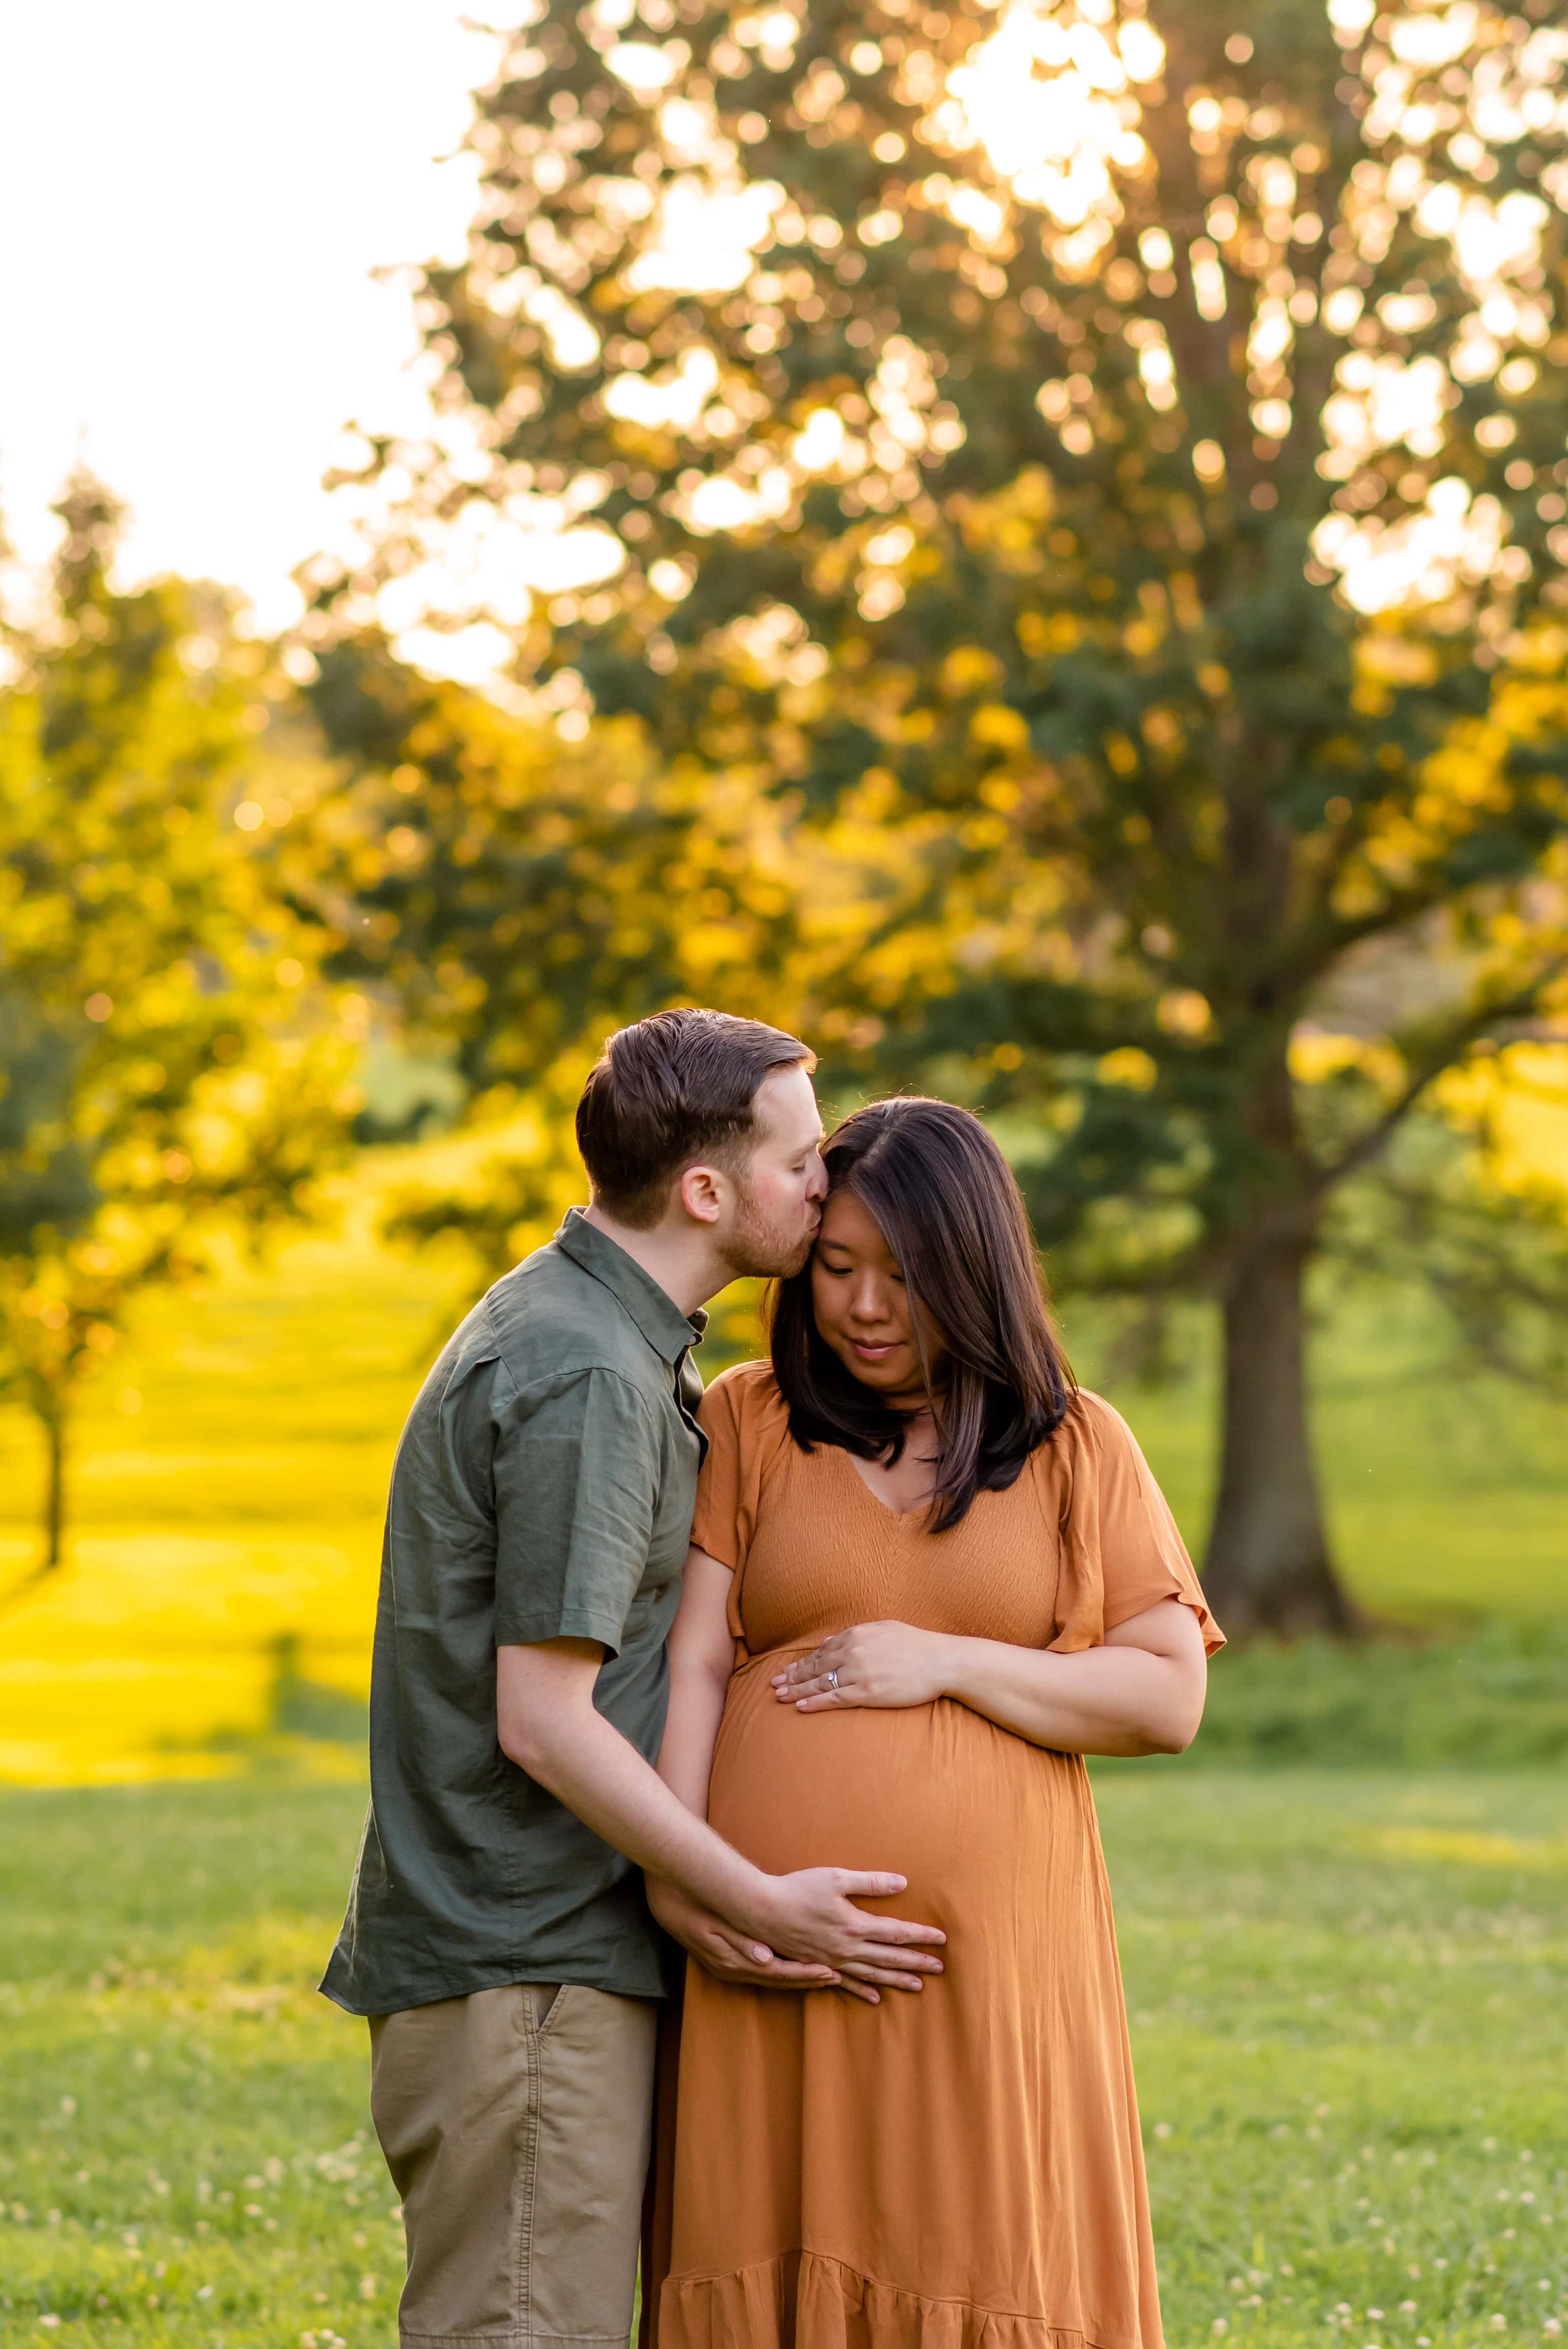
column 516, row 2125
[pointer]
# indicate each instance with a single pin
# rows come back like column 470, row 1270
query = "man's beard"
column 758, row 1249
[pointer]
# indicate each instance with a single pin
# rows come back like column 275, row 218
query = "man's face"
column 780, row 1192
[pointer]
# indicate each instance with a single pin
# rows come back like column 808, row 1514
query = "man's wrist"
column 750, row 1905
column 740, row 1898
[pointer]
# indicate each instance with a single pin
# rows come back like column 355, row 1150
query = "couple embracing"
column 796, row 1676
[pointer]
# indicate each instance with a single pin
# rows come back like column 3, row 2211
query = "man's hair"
column 667, row 1092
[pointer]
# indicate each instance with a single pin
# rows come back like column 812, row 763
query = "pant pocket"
column 541, row 1997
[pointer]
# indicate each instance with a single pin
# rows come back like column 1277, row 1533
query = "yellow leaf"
column 999, row 727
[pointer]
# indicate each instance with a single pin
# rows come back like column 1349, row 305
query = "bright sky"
column 192, row 196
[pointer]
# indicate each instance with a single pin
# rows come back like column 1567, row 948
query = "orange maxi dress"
column 960, row 2168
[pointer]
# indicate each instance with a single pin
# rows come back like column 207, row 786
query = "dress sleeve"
column 1120, row 1551
column 746, row 1423
column 726, row 1486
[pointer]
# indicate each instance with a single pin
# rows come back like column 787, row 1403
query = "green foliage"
column 1494, row 1253
column 153, row 1063
column 1347, row 2010
column 1109, row 677
column 512, row 889
column 1032, row 528
column 45, row 1179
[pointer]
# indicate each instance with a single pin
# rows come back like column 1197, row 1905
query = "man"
column 497, row 1933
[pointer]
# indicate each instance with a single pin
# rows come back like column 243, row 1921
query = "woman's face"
column 861, row 1303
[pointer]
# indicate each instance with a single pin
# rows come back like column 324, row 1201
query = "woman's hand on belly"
column 1140, row 1691
column 885, row 1664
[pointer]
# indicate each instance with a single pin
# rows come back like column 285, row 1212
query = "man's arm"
column 548, row 1725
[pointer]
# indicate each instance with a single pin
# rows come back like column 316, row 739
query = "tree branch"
column 1369, row 1144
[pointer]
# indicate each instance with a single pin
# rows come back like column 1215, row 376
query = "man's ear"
column 700, row 1192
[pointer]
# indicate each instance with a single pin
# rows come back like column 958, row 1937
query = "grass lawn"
column 1350, row 2015
column 229, row 1474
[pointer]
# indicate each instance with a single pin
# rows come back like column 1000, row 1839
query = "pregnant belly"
column 985, row 1827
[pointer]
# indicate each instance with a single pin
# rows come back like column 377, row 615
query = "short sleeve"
column 576, row 1474
column 1120, row 1549
column 742, row 1414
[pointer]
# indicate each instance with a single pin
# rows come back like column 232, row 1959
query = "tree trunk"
column 51, row 1419
column 1268, row 1566
column 54, row 1422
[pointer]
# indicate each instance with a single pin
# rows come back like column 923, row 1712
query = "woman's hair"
column 950, row 1213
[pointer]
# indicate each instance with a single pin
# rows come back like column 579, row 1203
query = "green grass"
column 184, row 2141
column 1491, row 1701
column 1350, row 2015
column 229, row 1474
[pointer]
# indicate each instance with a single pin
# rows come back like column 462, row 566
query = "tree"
column 504, row 884
column 154, row 1063
column 1119, row 459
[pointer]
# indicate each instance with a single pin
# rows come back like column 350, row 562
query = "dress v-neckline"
column 898, row 1515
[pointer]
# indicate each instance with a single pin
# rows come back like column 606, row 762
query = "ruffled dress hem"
column 804, row 2300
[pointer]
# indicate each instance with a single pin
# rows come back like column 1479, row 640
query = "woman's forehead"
column 848, row 1223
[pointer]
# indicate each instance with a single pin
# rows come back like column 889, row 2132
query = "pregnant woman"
column 928, row 1576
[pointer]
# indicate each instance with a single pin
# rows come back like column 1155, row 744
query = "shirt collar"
column 667, row 1329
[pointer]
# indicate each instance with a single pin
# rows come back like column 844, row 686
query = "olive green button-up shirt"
column 542, row 1489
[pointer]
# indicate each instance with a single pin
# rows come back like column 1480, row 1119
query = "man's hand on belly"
column 812, row 1915
column 725, row 1953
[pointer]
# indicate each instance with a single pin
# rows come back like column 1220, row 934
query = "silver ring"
column 833, row 1683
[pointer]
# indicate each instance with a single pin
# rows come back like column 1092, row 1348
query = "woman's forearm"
column 701, row 1662
column 691, row 1731
column 1141, row 1692
column 1109, row 1700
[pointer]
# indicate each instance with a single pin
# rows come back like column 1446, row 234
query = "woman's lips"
column 872, row 1354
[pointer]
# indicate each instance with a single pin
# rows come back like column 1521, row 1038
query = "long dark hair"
column 947, row 1203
